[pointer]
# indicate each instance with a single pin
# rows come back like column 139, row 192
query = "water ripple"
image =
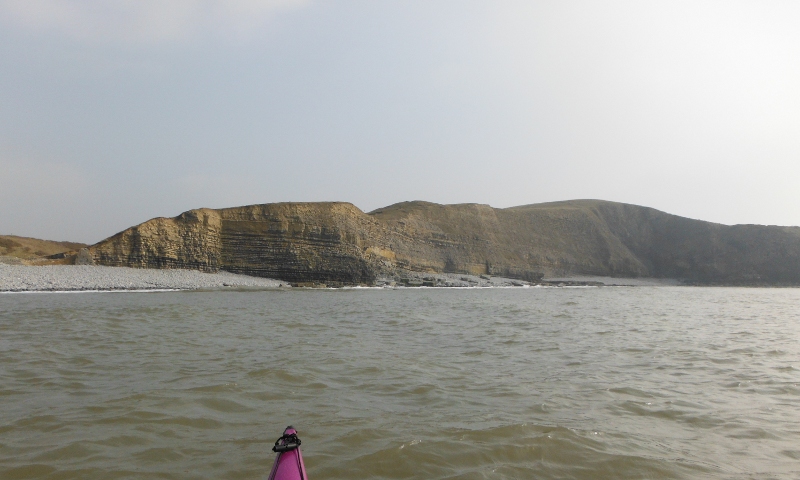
column 451, row 384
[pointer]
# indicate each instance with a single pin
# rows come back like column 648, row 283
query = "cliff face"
column 703, row 252
column 298, row 242
column 336, row 243
column 190, row 240
column 301, row 242
column 521, row 242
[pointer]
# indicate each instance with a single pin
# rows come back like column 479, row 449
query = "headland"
column 336, row 244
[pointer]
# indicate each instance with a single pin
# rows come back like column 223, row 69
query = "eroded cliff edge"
column 336, row 243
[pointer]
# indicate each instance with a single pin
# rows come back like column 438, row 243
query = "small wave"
column 124, row 441
column 159, row 455
column 753, row 434
column 32, row 470
column 793, row 454
column 222, row 387
column 635, row 392
column 223, row 405
column 71, row 452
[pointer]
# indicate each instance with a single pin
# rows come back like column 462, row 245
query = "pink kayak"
column 289, row 462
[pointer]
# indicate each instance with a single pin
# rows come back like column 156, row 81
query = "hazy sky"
column 114, row 112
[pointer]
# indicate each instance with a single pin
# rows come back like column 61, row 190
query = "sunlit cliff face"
column 338, row 244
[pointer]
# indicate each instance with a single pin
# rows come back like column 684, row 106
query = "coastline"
column 76, row 278
column 92, row 278
column 616, row 282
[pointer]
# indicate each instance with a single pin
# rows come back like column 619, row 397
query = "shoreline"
column 91, row 278
column 617, row 282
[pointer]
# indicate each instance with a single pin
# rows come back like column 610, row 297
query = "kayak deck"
column 289, row 462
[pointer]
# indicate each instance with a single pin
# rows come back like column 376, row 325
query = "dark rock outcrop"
column 337, row 244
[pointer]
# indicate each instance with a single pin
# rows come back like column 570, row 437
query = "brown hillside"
column 337, row 243
column 26, row 248
column 518, row 242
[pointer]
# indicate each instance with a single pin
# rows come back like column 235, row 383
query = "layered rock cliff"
column 336, row 243
column 299, row 242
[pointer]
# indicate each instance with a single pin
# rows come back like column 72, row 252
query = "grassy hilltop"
column 33, row 249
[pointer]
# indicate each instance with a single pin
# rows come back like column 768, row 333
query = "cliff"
column 336, row 243
column 298, row 242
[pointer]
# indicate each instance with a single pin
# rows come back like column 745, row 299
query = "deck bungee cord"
column 289, row 462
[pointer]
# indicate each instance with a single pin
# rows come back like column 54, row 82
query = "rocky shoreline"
column 65, row 278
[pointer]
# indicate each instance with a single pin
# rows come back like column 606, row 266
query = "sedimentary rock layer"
column 336, row 243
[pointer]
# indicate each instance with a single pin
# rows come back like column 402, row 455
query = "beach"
column 21, row 278
column 51, row 278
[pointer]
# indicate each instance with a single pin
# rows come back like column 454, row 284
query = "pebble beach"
column 67, row 278
column 54, row 278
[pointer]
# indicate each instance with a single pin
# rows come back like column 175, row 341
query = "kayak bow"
column 289, row 462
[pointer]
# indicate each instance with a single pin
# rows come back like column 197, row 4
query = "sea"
column 426, row 383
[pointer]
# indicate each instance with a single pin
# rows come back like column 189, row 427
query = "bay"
column 642, row 382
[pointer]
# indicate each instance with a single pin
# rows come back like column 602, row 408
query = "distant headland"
column 336, row 244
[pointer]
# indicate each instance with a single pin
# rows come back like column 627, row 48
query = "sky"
column 115, row 112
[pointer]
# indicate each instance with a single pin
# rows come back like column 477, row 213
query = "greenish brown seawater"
column 584, row 383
